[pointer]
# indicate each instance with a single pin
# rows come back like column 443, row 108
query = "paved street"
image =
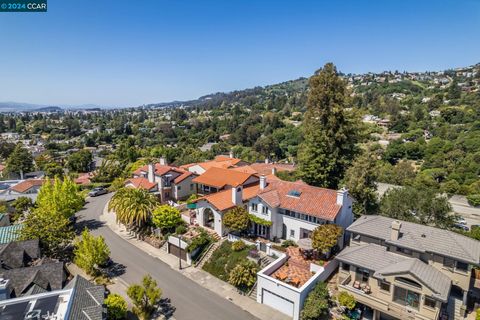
column 190, row 299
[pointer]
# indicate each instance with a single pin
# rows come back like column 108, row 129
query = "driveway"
column 192, row 301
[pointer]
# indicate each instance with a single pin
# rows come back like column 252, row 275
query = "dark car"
column 97, row 192
column 461, row 227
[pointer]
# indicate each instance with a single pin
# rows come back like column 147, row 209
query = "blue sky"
column 126, row 53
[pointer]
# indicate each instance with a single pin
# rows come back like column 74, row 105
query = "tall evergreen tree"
column 329, row 143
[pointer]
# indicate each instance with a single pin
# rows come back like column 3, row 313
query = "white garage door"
column 277, row 302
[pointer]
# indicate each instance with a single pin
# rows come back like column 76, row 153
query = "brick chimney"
column 395, row 234
column 237, row 195
column 151, row 173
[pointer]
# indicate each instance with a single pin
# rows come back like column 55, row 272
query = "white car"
column 460, row 220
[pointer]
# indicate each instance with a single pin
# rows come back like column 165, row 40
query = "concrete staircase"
column 253, row 293
column 262, row 263
column 206, row 256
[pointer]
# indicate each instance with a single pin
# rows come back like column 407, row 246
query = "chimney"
column 231, row 154
column 342, row 196
column 237, row 197
column 267, row 161
column 396, row 225
column 274, row 171
column 163, row 161
column 151, row 172
column 263, row 182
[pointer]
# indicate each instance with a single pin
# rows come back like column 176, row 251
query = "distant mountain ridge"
column 30, row 107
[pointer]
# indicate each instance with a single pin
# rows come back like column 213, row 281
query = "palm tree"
column 133, row 206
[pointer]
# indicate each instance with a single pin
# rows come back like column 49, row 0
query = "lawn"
column 224, row 259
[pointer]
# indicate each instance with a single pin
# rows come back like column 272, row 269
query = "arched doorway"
column 208, row 218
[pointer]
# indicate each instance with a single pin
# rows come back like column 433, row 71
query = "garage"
column 275, row 301
column 176, row 251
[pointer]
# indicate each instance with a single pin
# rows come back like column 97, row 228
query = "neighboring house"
column 84, row 178
column 404, row 270
column 79, row 300
column 170, row 183
column 217, row 179
column 32, row 287
column 30, row 186
column 267, row 168
column 224, row 162
column 292, row 210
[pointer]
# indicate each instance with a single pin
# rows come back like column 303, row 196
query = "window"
column 292, row 233
column 191, row 186
column 385, row 286
column 345, row 266
column 179, row 188
column 254, row 207
column 449, row 263
column 363, row 275
column 406, row 297
column 462, row 266
column 264, row 209
column 429, row 302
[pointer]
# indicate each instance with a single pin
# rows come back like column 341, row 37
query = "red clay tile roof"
column 25, row 185
column 84, row 178
column 318, row 202
column 182, row 177
column 265, row 168
column 219, row 178
column 223, row 200
column 219, row 162
column 142, row 183
column 159, row 169
column 297, row 269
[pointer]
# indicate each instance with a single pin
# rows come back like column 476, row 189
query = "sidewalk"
column 206, row 280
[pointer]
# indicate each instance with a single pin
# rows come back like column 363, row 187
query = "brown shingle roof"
column 219, row 178
column 25, row 185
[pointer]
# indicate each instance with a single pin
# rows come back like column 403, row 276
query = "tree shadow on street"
column 91, row 224
column 115, row 270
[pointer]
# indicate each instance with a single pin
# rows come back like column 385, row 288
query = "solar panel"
column 14, row 311
column 294, row 193
column 47, row 304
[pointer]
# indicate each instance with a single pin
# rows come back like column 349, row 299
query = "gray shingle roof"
column 420, row 238
column 18, row 254
column 49, row 276
column 384, row 263
column 87, row 303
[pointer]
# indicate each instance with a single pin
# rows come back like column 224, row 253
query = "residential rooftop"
column 420, row 238
column 385, row 263
column 220, row 177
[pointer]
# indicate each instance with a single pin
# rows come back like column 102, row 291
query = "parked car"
column 97, row 192
column 460, row 220
column 461, row 227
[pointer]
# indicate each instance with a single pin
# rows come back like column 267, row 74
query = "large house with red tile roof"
column 292, row 210
column 221, row 161
column 170, row 183
column 217, row 179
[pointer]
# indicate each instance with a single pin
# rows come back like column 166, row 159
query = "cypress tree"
column 329, row 140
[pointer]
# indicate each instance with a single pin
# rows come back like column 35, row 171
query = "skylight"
column 294, row 193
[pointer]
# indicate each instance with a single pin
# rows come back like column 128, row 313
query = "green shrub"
column 238, row 245
column 289, row 243
column 201, row 240
column 244, row 275
column 181, row 229
column 478, row 314
column 224, row 259
column 347, row 300
column 474, row 200
column 116, row 306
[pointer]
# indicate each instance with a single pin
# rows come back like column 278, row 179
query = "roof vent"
column 424, row 235
column 33, row 315
column 294, row 193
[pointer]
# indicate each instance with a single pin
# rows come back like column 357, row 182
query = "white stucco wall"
column 217, row 216
column 185, row 190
